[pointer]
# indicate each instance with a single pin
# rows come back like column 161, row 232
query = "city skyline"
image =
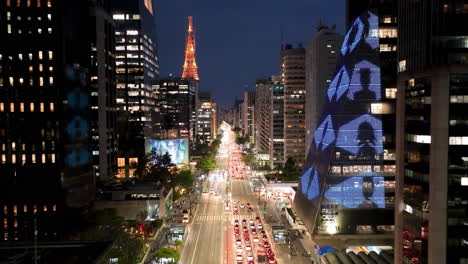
column 260, row 38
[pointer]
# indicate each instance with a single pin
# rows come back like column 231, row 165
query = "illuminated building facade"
column 292, row 71
column 262, row 109
column 175, row 108
column 248, row 116
column 277, row 124
column 137, row 69
column 321, row 58
column 347, row 189
column 46, row 115
column 432, row 131
column 207, row 118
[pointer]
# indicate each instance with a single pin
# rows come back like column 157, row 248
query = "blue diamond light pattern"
column 324, row 134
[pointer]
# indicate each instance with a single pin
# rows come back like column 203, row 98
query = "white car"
column 239, row 249
column 251, row 221
column 250, row 257
column 242, row 206
column 248, row 247
column 259, row 226
column 239, row 257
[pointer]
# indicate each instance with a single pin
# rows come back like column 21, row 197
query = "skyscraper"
column 262, row 110
column 207, row 121
column 248, row 116
column 346, row 194
column 137, row 70
column 321, row 58
column 292, row 71
column 175, row 107
column 277, row 124
column 46, row 114
column 432, row 146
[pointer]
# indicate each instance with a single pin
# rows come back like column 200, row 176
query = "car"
column 255, row 239
column 266, row 244
column 258, row 219
column 238, row 241
column 239, row 249
column 234, row 201
column 244, row 222
column 263, row 232
column 246, row 233
column 250, row 210
column 248, row 248
column 236, row 222
column 254, row 232
column 242, row 206
column 260, row 226
column 236, row 212
column 251, row 262
column 272, row 260
column 236, row 233
column 269, row 252
column 246, row 238
column 252, row 226
column 251, row 221
column 236, row 227
column 239, row 257
column 244, row 228
column 248, row 204
column 265, row 238
column 250, row 257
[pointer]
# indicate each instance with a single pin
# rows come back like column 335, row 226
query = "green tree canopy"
column 290, row 170
column 206, row 164
column 169, row 253
column 185, row 179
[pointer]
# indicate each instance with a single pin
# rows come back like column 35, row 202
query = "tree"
column 290, row 170
column 185, row 179
column 206, row 164
column 168, row 253
column 241, row 140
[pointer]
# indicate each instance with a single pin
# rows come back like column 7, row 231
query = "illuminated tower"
column 190, row 66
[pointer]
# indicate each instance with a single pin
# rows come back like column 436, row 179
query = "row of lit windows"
column 23, row 146
column 44, row 158
column 20, row 31
column 388, row 47
column 49, row 17
column 28, row 3
column 126, row 17
column 22, row 107
column 40, row 55
column 459, row 99
column 26, row 208
column 388, row 33
column 11, row 80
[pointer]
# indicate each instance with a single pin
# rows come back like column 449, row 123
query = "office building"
column 46, row 115
column 321, row 58
column 248, row 116
column 262, row 110
column 432, row 147
column 175, row 107
column 207, row 118
column 137, row 70
column 292, row 71
column 346, row 193
column 277, row 125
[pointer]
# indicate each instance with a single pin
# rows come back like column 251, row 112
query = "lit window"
column 31, row 106
column 51, row 107
column 9, row 28
column 30, row 55
column 54, row 208
column 49, row 17
column 41, row 81
column 41, row 107
column 132, row 32
column 49, row 3
column 458, row 140
column 30, row 68
column 13, row 158
column 388, row 33
column 402, row 66
column 8, row 3
column 40, row 67
column 1, row 81
column 28, row 3
column 20, row 56
column 21, row 107
column 43, row 158
column 118, row 17
column 40, row 54
column 13, row 146
column 387, row 20
column 51, row 69
column 390, row 92
column 53, row 158
column 12, row 81
column 49, row 30
column 12, row 107
column 39, row 30
column 51, row 55
column 23, row 158
column 2, row 107
column 21, row 80
column 33, row 158
column 38, row 3
column 3, row 158
column 25, row 208
column 51, row 80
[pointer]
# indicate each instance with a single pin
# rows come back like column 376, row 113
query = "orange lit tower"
column 190, row 66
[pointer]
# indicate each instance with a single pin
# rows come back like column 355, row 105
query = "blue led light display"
column 77, row 99
column 353, row 37
column 324, row 134
column 361, row 135
column 77, row 157
column 78, row 127
column 339, row 83
column 347, row 134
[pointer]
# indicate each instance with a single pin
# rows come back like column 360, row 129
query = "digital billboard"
column 178, row 149
column 344, row 168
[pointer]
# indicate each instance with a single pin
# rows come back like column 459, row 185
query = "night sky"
column 238, row 41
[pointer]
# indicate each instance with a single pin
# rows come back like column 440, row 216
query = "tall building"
column 321, row 58
column 248, row 116
column 262, row 110
column 175, row 108
column 432, row 146
column 292, row 69
column 277, row 124
column 207, row 117
column 46, row 114
column 346, row 193
column 190, row 73
column 137, row 70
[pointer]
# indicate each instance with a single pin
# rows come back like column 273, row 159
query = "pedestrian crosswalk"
column 207, row 218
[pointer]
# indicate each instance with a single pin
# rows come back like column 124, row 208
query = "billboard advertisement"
column 178, row 149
